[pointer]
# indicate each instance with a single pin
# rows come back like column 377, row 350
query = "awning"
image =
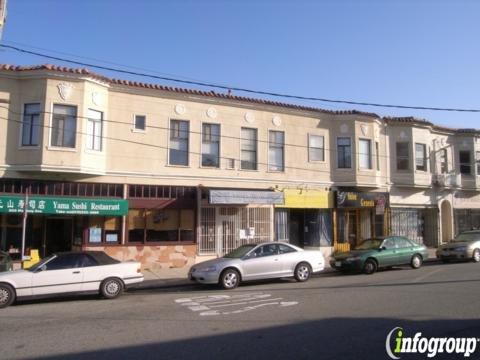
column 245, row 197
column 14, row 204
column 307, row 199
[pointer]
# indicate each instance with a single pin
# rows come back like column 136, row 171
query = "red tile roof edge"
column 422, row 122
column 84, row 71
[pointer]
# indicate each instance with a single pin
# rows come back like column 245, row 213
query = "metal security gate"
column 420, row 225
column 223, row 229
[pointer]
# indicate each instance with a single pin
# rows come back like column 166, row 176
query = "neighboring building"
column 169, row 176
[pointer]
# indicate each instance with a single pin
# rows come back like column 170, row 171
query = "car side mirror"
column 42, row 268
column 381, row 248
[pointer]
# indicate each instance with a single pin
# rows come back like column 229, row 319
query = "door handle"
column 76, row 272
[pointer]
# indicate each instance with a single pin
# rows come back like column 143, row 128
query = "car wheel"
column 370, row 266
column 416, row 261
column 7, row 295
column 111, row 288
column 302, row 272
column 476, row 255
column 229, row 279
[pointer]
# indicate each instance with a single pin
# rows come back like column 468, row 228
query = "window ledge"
column 138, row 131
column 67, row 149
column 29, row 148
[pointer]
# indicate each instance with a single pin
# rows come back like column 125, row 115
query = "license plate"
column 338, row 263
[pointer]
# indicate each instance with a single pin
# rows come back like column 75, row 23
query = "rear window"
column 102, row 258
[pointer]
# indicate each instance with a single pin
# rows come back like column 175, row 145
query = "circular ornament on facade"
column 96, row 98
column 344, row 128
column 277, row 120
column 180, row 109
column 249, row 117
column 212, row 113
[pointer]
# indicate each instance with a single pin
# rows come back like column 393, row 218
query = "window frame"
column 169, row 160
column 276, row 146
column 424, row 166
column 255, row 130
column 370, row 160
column 309, row 148
column 407, row 157
column 477, row 161
column 95, row 121
column 30, row 145
column 338, row 152
column 52, row 129
column 139, row 130
column 443, row 154
column 219, row 143
column 462, row 165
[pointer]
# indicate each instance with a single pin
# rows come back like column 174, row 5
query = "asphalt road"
column 332, row 316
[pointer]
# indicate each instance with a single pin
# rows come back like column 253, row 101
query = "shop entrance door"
column 296, row 228
column 58, row 235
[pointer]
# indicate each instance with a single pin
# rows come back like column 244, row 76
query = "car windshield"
column 239, row 252
column 369, row 244
column 38, row 265
column 467, row 237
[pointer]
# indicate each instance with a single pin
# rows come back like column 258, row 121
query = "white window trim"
column 134, row 129
column 404, row 171
column 359, row 154
column 103, row 142
column 239, row 168
column 219, row 145
column 268, row 151
column 61, row 148
column 425, row 158
column 188, row 143
column 351, row 154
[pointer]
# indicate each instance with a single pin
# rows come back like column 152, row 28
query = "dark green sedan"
column 373, row 254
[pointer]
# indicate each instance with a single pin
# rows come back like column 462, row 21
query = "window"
column 31, row 125
column 179, row 131
column 62, row 262
column 64, row 126
column 285, row 249
column 402, row 156
column 94, row 130
column 421, row 157
column 316, row 148
column 211, row 145
column 276, row 149
column 443, row 161
column 266, row 250
column 465, row 163
column 248, row 147
column 377, row 155
column 478, row 162
column 344, row 153
column 365, row 154
column 140, row 122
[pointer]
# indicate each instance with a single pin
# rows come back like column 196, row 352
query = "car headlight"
column 208, row 269
column 353, row 258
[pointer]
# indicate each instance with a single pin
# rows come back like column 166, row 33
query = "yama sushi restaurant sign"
column 63, row 206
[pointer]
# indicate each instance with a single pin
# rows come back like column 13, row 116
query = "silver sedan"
column 465, row 246
column 258, row 261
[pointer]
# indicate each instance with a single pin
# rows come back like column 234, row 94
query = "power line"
column 223, row 87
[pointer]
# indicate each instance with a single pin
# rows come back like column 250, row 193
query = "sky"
column 415, row 53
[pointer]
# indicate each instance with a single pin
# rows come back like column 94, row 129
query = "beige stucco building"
column 169, row 176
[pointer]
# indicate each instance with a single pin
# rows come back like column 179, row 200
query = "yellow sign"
column 307, row 199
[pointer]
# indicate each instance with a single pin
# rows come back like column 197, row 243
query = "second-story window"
column 179, row 130
column 403, row 162
column 316, row 148
column 443, row 161
column 344, row 153
column 248, row 148
column 276, row 150
column 421, row 157
column 211, row 145
column 377, row 154
column 140, row 123
column 365, row 154
column 94, row 130
column 465, row 162
column 31, row 125
column 478, row 162
column 64, row 126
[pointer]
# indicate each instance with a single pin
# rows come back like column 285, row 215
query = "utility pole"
column 3, row 15
column 24, row 225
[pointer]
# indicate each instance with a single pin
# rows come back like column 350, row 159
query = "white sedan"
column 70, row 273
column 258, row 261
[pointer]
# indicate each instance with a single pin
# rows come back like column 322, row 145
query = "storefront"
column 417, row 224
column 305, row 219
column 466, row 211
column 359, row 216
column 230, row 218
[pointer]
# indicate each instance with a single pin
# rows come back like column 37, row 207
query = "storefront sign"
column 307, row 199
column 245, row 197
column 350, row 199
column 63, row 206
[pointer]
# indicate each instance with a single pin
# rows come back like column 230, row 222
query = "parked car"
column 70, row 273
column 5, row 261
column 373, row 254
column 258, row 261
column 465, row 246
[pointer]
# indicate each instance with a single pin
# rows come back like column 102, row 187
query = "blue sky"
column 397, row 52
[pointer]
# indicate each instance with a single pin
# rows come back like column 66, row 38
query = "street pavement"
column 332, row 316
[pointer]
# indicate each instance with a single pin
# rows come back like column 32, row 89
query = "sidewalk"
column 178, row 277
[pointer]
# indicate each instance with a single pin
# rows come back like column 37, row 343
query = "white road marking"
column 420, row 278
column 237, row 303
